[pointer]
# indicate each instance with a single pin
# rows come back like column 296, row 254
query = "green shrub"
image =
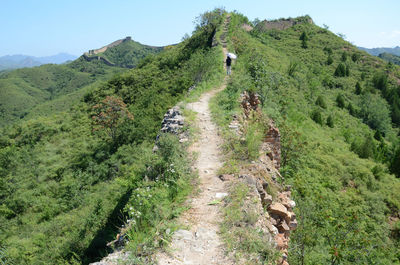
column 340, row 70
column 344, row 57
column 293, row 67
column 364, row 149
column 358, row 88
column 351, row 109
column 355, row 57
column 329, row 61
column 304, row 38
column 328, row 50
column 380, row 81
column 375, row 112
column 340, row 101
column 254, row 136
column 329, row 121
column 321, row 102
column 347, row 70
column 317, row 117
column 378, row 136
column 395, row 163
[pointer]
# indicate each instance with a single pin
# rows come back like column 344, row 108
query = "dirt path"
column 202, row 244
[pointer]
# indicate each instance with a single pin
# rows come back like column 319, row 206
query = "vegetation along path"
column 201, row 243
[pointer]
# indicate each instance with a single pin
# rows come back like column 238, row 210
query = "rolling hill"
column 337, row 110
column 69, row 179
column 66, row 178
column 390, row 58
column 377, row 51
column 23, row 61
column 24, row 90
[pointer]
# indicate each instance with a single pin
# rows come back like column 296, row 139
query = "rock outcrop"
column 173, row 122
column 282, row 24
column 272, row 145
column 262, row 175
column 250, row 102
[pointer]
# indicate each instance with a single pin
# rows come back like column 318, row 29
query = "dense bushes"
column 344, row 198
column 63, row 186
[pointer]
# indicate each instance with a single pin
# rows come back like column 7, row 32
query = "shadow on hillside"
column 98, row 247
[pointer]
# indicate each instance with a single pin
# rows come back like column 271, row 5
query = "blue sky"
column 46, row 27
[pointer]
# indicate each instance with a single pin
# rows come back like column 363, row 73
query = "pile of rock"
column 250, row 102
column 173, row 121
column 284, row 220
column 272, row 145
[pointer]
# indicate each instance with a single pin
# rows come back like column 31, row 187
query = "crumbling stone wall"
column 273, row 145
column 104, row 48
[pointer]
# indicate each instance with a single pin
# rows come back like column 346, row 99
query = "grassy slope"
column 129, row 53
column 37, row 91
column 390, row 58
column 343, row 201
column 63, row 187
column 23, row 89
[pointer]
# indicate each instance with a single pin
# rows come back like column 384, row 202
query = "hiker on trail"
column 228, row 65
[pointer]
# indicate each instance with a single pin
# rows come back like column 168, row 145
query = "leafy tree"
column 329, row 61
column 396, row 114
column 328, row 50
column 329, row 121
column 358, row 88
column 380, row 81
column 304, row 44
column 364, row 149
column 321, row 102
column 317, row 117
column 109, row 115
column 344, row 57
column 375, row 112
column 355, row 57
column 347, row 70
column 378, row 136
column 340, row 101
column 395, row 163
column 367, row 148
column 304, row 38
column 351, row 109
column 340, row 70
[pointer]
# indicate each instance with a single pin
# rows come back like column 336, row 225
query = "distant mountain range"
column 21, row 61
column 390, row 57
column 377, row 51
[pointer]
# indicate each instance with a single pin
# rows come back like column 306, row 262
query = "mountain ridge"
column 23, row 90
column 21, row 61
column 379, row 50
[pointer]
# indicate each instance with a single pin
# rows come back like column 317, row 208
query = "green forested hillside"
column 377, row 51
column 68, row 180
column 337, row 110
column 390, row 58
column 32, row 91
column 128, row 53
column 65, row 179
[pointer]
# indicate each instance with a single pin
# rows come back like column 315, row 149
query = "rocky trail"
column 200, row 244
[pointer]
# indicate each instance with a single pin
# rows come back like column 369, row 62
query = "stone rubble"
column 280, row 218
column 173, row 121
